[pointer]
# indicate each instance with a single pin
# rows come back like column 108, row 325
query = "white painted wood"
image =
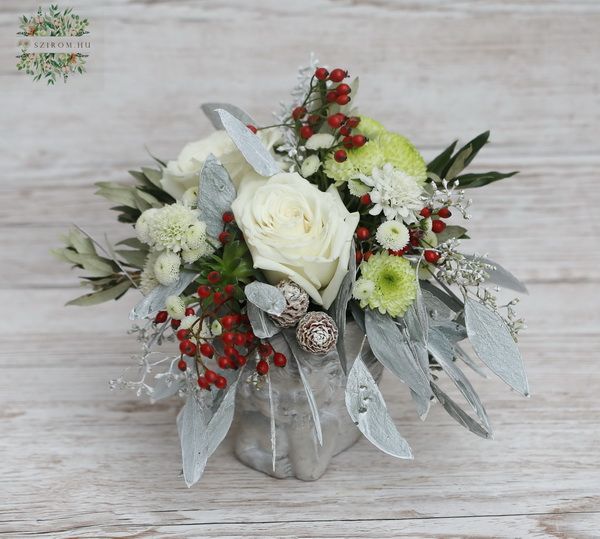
column 80, row 461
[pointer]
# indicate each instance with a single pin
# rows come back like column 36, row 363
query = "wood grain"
column 81, row 461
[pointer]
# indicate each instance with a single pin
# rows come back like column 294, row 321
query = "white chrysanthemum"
column 175, row 307
column 142, row 226
column 310, row 165
column 429, row 239
column 358, row 188
column 191, row 255
column 363, row 288
column 148, row 281
column 195, row 236
column 320, row 140
column 394, row 193
column 190, row 197
column 188, row 321
column 392, row 235
column 166, row 268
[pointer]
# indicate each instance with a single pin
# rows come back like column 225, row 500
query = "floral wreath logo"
column 51, row 66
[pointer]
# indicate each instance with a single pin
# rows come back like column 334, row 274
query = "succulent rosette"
column 322, row 218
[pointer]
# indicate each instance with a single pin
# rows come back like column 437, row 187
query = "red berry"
column 203, row 382
column 225, row 363
column 190, row 311
column 340, row 156
column 431, row 256
column 353, row 121
column 347, row 142
column 314, row 119
column 359, row 256
column 229, row 351
column 321, row 73
column 241, row 360
column 182, row 334
column 227, row 321
column 224, row 237
column 228, row 217
column 262, row 367
column 425, row 212
column 239, row 339
column 444, row 213
column 342, row 99
column 399, row 252
column 237, row 317
column 338, row 75
column 207, row 349
column 359, row 140
column 213, row 277
column 227, row 337
column 252, row 128
column 161, row 316
column 306, row 131
column 211, row 376
column 204, row 291
column 345, row 130
column 365, row 199
column 367, row 255
column 221, row 382
column 218, row 298
column 438, row 226
column 335, row 120
column 265, row 349
column 250, row 337
column 175, row 323
column 363, row 233
column 187, row 347
column 279, row 360
column 182, row 365
column 298, row 113
column 331, row 96
column 343, row 89
column 229, row 289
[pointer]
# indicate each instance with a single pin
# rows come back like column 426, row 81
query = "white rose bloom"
column 295, row 231
column 182, row 173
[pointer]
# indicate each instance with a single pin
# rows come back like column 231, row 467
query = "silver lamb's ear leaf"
column 298, row 353
column 369, row 412
column 436, row 308
column 156, row 299
column 391, row 349
column 191, row 425
column 495, row 346
column 216, row 193
column 220, row 422
column 210, row 109
column 451, row 330
column 259, row 158
column 262, row 326
column 457, row 413
column 266, row 297
column 501, row 276
column 443, row 352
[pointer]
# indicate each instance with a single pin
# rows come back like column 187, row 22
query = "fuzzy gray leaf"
column 259, row 158
column 494, row 345
column 262, row 326
column 369, row 412
column 210, row 109
column 266, row 297
column 273, row 427
column 436, row 308
column 221, row 420
column 216, row 193
column 416, row 319
column 155, row 300
column 451, row 330
column 504, row 278
column 191, row 425
column 394, row 352
column 451, row 302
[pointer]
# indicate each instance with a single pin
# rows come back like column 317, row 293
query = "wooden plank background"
column 79, row 461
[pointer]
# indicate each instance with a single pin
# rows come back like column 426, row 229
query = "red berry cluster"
column 266, row 352
column 363, row 236
column 229, row 232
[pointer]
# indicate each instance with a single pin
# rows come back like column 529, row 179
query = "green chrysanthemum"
column 370, row 128
column 387, row 283
column 402, row 155
column 360, row 161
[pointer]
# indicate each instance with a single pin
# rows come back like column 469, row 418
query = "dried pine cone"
column 317, row 333
column 297, row 304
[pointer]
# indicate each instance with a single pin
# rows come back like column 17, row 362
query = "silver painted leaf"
column 210, row 109
column 436, row 308
column 300, row 356
column 457, row 413
column 164, row 388
column 422, row 404
column 501, row 276
column 191, row 425
column 451, row 302
column 262, row 326
column 259, row 158
column 494, row 345
column 466, row 358
column 451, row 330
column 266, row 297
column 394, row 352
column 369, row 412
column 358, row 315
column 272, row 422
column 216, row 193
column 220, row 422
column 155, row 300
column 443, row 352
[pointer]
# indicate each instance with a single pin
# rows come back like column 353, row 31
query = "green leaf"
column 134, row 243
column 153, row 175
column 469, row 181
column 133, row 258
column 103, row 295
column 440, row 162
column 120, row 194
column 465, row 155
column 451, row 231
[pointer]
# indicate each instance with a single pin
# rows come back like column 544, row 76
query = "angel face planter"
column 298, row 452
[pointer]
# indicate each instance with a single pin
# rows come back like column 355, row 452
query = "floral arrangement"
column 50, row 65
column 299, row 228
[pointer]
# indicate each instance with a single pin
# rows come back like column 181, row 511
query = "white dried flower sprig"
column 449, row 195
column 456, row 268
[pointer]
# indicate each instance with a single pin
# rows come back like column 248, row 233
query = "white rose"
column 182, row 173
column 294, row 230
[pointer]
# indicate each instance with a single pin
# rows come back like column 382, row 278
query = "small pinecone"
column 317, row 333
column 297, row 304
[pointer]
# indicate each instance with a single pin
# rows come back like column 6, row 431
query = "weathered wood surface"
column 80, row 461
